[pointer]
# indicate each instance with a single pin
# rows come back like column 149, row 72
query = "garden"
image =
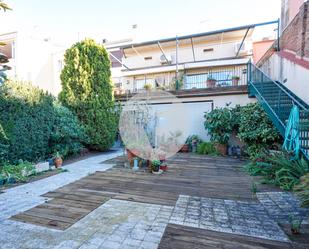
column 38, row 130
column 262, row 145
column 259, row 143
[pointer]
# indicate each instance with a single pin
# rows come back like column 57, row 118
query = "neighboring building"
column 260, row 48
column 197, row 57
column 289, row 9
column 288, row 63
column 34, row 59
column 204, row 70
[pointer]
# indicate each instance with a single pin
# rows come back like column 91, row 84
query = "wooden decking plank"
column 182, row 237
column 60, row 225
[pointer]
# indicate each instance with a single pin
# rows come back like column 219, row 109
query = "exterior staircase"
column 277, row 101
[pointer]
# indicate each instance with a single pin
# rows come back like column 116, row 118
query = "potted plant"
column 2, row 179
column 155, row 167
column 211, row 82
column 295, row 225
column 219, row 125
column 235, row 80
column 147, row 87
column 58, row 160
column 185, row 148
column 131, row 153
column 163, row 166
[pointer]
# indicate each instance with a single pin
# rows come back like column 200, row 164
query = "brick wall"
column 295, row 37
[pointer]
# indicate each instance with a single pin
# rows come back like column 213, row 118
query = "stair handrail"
column 306, row 108
column 271, row 109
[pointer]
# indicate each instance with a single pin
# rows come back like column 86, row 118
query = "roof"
column 194, row 35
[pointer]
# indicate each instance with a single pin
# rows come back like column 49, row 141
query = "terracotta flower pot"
column 235, row 82
column 58, row 162
column 131, row 153
column 185, row 148
column 222, row 149
column 211, row 83
column 163, row 167
column 295, row 231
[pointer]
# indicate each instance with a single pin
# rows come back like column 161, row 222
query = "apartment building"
column 197, row 61
column 33, row 58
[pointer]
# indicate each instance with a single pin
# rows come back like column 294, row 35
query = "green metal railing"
column 277, row 100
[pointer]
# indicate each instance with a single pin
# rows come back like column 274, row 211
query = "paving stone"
column 245, row 218
column 280, row 206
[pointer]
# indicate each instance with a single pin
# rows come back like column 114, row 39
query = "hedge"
column 27, row 116
column 28, row 119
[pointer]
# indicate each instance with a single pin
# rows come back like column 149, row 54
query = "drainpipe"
column 177, row 84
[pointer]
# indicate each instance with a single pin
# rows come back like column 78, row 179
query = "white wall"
column 292, row 75
column 185, row 54
column 37, row 61
column 189, row 117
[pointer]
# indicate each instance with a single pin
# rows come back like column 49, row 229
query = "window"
column 205, row 50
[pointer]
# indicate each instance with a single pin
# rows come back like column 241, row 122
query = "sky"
column 66, row 21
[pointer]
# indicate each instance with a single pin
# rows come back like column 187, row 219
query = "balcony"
column 214, row 80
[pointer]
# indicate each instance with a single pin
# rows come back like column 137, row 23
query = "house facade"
column 287, row 60
column 33, row 58
column 204, row 71
column 197, row 61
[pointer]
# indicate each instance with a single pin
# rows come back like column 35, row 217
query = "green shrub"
column 192, row 138
column 278, row 169
column 255, row 129
column 87, row 91
column 302, row 190
column 67, row 134
column 3, row 146
column 19, row 171
column 206, row 148
column 219, row 124
column 27, row 117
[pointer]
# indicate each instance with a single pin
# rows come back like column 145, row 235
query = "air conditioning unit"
column 167, row 59
column 243, row 50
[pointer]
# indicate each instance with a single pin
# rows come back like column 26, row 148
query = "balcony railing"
column 214, row 78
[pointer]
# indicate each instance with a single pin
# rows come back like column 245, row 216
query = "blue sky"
column 64, row 20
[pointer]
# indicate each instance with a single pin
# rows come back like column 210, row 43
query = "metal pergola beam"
column 192, row 46
column 137, row 52
column 118, row 60
column 242, row 42
column 159, row 45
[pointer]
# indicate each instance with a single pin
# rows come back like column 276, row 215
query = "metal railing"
column 212, row 77
column 277, row 100
column 234, row 76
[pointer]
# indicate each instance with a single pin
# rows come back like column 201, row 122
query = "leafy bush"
column 219, row 124
column 19, row 172
column 67, row 134
column 278, row 169
column 192, row 138
column 206, row 148
column 3, row 146
column 302, row 190
column 256, row 129
column 87, row 91
column 27, row 117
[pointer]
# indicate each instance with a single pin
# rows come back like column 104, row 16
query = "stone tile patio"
column 116, row 224
column 127, row 224
column 281, row 206
column 24, row 197
column 239, row 217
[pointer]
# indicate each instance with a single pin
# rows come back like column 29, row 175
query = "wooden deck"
column 188, row 174
column 180, row 237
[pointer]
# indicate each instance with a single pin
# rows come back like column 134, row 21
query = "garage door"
column 187, row 117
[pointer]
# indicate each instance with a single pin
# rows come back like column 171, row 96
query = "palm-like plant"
column 4, row 6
